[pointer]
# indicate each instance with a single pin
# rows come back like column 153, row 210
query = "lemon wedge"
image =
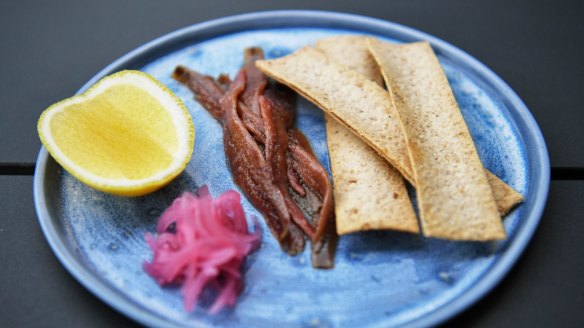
column 127, row 135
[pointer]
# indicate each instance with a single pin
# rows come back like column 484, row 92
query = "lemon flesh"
column 127, row 135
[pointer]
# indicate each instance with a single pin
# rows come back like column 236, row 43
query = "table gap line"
column 557, row 173
column 567, row 173
column 17, row 168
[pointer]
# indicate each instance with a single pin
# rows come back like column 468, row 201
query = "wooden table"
column 49, row 49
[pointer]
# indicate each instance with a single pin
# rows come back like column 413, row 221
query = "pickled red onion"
column 202, row 242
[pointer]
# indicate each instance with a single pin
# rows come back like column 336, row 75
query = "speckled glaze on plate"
column 380, row 278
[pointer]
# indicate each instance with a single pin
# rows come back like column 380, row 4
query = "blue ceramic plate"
column 380, row 278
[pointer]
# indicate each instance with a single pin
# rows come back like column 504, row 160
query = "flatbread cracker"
column 353, row 52
column 355, row 101
column 505, row 196
column 455, row 200
column 359, row 105
column 369, row 193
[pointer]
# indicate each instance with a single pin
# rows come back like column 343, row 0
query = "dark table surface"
column 51, row 48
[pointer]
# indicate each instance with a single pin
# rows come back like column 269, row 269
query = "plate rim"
column 536, row 153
